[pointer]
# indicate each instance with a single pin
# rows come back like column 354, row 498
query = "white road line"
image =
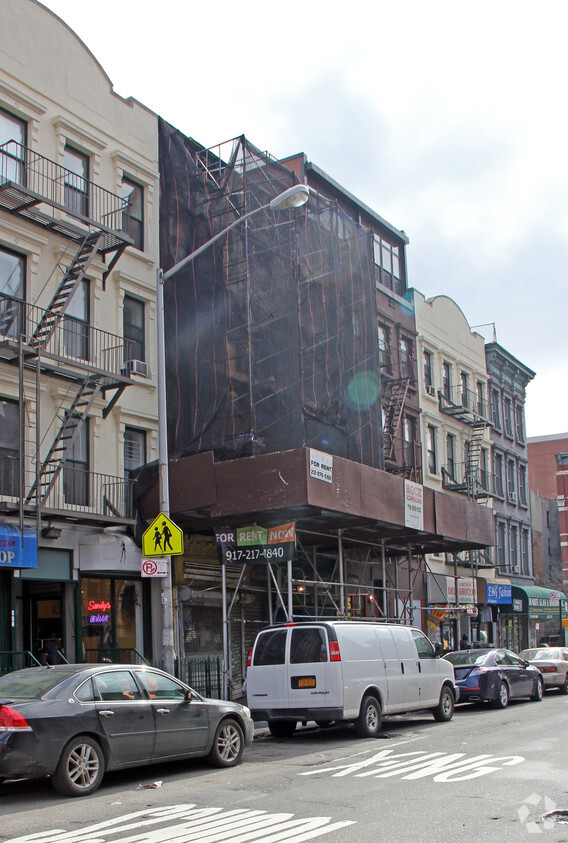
column 187, row 823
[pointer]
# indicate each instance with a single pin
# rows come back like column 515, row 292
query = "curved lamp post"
column 294, row 197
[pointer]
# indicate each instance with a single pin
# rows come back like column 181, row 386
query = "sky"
column 448, row 118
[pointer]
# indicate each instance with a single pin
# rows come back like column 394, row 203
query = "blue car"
column 495, row 676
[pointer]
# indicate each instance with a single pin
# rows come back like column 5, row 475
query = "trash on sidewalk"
column 144, row 786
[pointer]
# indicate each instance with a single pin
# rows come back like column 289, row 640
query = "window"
column 500, row 544
column 446, row 381
column 519, row 424
column 514, row 549
column 160, row 687
column 12, row 275
column 480, row 400
column 12, row 148
column 76, row 469
column 495, row 414
column 431, row 449
column 270, row 648
column 76, row 181
column 405, row 352
column 428, row 381
column 464, row 389
column 525, row 559
column 76, row 323
column 117, row 686
column 507, row 419
column 384, row 347
column 523, row 484
column 423, row 645
column 133, row 216
column 134, row 449
column 450, row 455
column 308, row 646
column 498, row 472
column 9, row 453
column 133, row 329
column 511, row 485
column 409, row 438
column 388, row 269
column 484, row 474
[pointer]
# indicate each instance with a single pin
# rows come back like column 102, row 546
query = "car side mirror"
column 526, row 663
column 188, row 696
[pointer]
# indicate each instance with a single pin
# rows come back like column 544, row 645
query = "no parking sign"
column 155, row 567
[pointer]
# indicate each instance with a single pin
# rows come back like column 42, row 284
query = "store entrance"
column 44, row 631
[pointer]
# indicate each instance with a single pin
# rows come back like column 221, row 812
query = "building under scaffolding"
column 274, row 361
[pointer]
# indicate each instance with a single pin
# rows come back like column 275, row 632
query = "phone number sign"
column 257, row 544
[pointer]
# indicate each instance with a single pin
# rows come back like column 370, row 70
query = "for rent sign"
column 257, row 544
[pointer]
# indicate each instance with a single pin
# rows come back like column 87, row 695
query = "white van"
column 345, row 670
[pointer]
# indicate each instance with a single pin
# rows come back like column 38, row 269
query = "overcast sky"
column 448, row 118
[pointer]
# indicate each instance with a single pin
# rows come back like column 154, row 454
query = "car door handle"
column 401, row 667
column 419, row 667
column 163, row 711
column 106, row 712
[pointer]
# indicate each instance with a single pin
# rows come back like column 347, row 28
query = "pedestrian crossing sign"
column 162, row 538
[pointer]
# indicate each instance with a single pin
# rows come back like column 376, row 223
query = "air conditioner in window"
column 136, row 367
column 430, row 390
column 514, row 569
column 513, row 497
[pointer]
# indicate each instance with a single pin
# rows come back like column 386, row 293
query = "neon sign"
column 98, row 608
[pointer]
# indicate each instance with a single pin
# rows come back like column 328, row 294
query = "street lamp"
column 294, row 197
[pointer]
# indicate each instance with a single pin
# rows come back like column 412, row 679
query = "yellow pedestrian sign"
column 162, row 538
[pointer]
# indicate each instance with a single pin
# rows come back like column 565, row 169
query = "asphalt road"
column 487, row 775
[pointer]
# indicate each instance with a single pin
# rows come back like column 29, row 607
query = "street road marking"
column 187, row 823
column 442, row 767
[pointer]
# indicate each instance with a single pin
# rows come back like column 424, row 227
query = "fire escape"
column 87, row 362
column 469, row 478
column 402, row 456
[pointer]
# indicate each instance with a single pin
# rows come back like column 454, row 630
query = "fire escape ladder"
column 473, row 454
column 63, row 442
column 64, row 293
column 393, row 415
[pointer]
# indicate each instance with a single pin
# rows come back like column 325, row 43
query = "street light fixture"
column 293, row 197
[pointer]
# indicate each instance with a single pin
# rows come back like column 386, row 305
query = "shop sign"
column 15, row 552
column 156, row 567
column 321, row 466
column 257, row 544
column 413, row 505
column 545, row 607
column 498, row 593
column 517, row 605
column 98, row 611
column 467, row 590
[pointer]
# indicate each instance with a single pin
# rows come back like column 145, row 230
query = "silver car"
column 552, row 663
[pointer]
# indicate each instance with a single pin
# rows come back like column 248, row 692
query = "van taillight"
column 249, row 658
column 12, row 721
column 334, row 654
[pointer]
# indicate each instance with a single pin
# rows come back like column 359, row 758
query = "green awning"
column 539, row 602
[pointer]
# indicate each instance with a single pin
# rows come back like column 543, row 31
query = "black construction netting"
column 271, row 333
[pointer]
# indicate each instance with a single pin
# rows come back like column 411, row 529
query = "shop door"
column 44, row 632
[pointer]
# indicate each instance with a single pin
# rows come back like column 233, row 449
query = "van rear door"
column 313, row 680
column 267, row 678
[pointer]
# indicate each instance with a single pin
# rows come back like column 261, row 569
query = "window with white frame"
column 480, row 399
column 507, row 416
column 464, row 389
column 514, row 549
column 511, row 484
column 428, row 374
column 76, row 181
column 498, row 472
column 9, row 452
column 388, row 264
column 383, row 334
column 13, row 134
column 523, row 485
column 500, row 544
column 133, row 216
column 134, row 449
column 446, row 380
column 405, row 352
column 451, row 455
column 495, row 413
column 12, row 293
column 519, row 424
column 133, row 329
column 525, row 552
column 76, row 469
column 432, row 460
column 76, row 323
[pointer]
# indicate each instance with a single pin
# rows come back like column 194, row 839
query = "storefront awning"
column 541, row 603
column 494, row 591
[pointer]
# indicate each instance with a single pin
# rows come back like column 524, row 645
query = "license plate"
column 309, row 682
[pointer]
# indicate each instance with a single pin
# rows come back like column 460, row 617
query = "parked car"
column 495, row 676
column 73, row 722
column 552, row 663
column 350, row 671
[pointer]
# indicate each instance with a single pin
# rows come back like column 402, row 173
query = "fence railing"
column 16, row 660
column 466, row 400
column 60, row 187
column 203, row 674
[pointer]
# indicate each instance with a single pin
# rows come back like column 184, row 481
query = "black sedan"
column 73, row 722
column 495, row 675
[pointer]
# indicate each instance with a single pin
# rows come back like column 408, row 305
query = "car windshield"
column 462, row 658
column 540, row 654
column 29, row 685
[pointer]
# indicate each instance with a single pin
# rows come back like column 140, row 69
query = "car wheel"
column 502, row 698
column 228, row 744
column 80, row 769
column 282, row 728
column 539, row 690
column 564, row 688
column 368, row 724
column 444, row 711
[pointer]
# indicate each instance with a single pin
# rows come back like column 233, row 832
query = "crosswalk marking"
column 188, row 823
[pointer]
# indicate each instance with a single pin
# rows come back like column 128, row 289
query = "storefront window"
column 109, row 618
